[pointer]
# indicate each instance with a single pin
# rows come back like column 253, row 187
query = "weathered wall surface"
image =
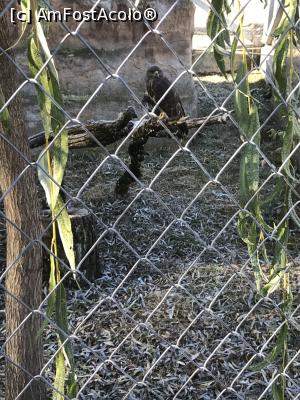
column 82, row 73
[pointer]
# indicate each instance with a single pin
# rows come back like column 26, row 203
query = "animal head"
column 154, row 72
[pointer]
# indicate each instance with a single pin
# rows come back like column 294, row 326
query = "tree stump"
column 84, row 235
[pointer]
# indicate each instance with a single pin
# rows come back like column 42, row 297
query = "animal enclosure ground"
column 175, row 311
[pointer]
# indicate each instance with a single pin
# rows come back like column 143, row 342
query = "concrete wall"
column 82, row 74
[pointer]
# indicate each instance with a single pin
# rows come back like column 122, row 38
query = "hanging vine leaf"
column 248, row 120
column 216, row 30
column 65, row 231
column 59, row 382
column 241, row 99
column 279, row 64
column 247, row 115
column 275, row 352
column 233, row 50
column 35, row 67
column 4, row 116
column 62, row 322
column 52, row 165
column 289, row 136
column 60, row 144
column 282, row 47
column 52, row 285
column 251, row 222
column 52, row 116
column 291, row 10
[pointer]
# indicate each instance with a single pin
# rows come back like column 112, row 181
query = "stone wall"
column 83, row 71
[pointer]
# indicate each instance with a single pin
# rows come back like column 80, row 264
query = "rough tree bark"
column 105, row 132
column 23, row 278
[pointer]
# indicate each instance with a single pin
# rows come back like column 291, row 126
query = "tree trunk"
column 23, row 278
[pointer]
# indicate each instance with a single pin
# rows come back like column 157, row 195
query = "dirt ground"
column 175, row 313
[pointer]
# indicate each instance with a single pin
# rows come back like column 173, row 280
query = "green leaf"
column 259, row 216
column 233, row 50
column 213, row 24
column 43, row 175
column 280, row 260
column 62, row 322
column 65, row 231
column 278, row 390
column 249, row 167
column 61, row 312
column 227, row 7
column 291, row 132
column 276, row 194
column 248, row 231
column 292, row 209
column 45, row 48
column 280, row 257
column 67, row 351
column 52, row 285
column 272, row 285
column 248, row 119
column 297, row 31
column 52, row 165
column 241, row 97
column 72, row 386
column 216, row 26
column 59, row 382
column 247, row 116
column 279, row 64
column 53, row 120
column 59, row 146
column 288, row 18
column 35, row 66
column 275, row 352
column 4, row 116
column 220, row 61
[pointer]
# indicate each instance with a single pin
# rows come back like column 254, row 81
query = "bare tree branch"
column 108, row 132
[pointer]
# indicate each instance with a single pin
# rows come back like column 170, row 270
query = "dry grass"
column 170, row 312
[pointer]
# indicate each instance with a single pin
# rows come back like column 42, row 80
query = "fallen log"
column 108, row 132
column 81, row 136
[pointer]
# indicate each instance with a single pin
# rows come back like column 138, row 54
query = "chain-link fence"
column 167, row 305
